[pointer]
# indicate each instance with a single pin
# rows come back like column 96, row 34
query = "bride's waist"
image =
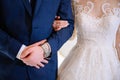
column 95, row 42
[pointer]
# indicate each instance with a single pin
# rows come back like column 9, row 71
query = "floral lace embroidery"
column 107, row 10
column 81, row 9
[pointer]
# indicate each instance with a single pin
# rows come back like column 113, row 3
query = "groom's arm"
column 8, row 45
column 57, row 39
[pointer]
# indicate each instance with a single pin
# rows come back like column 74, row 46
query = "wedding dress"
column 94, row 56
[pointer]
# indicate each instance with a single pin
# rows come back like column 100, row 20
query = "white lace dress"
column 94, row 57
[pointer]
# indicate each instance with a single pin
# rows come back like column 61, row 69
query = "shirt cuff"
column 20, row 51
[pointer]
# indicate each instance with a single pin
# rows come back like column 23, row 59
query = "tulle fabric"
column 94, row 57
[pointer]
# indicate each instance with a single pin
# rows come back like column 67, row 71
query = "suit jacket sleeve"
column 8, row 46
column 57, row 39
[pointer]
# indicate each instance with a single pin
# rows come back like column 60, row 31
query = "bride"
column 94, row 57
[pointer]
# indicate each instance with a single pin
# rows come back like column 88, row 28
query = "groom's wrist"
column 47, row 49
column 20, row 51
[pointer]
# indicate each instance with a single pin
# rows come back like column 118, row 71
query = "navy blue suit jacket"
column 19, row 24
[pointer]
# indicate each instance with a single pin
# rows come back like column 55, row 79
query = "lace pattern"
column 106, row 8
column 94, row 56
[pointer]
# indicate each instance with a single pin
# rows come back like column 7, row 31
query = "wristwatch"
column 47, row 49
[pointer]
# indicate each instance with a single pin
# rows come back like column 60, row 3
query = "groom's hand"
column 33, row 55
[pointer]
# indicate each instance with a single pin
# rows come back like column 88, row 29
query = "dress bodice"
column 97, row 29
column 94, row 57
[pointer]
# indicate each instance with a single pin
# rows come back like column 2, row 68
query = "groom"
column 24, row 54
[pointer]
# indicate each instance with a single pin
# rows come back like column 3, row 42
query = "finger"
column 44, row 61
column 37, row 66
column 59, row 28
column 27, row 62
column 67, row 23
column 64, row 24
column 56, row 29
column 57, row 17
column 40, row 64
column 56, row 23
column 47, row 59
column 61, row 23
column 54, row 26
column 25, row 53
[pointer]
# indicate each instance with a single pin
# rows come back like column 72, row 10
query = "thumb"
column 57, row 17
column 25, row 53
column 40, row 42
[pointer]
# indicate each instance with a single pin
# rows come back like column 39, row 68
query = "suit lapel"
column 27, row 6
column 37, row 6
